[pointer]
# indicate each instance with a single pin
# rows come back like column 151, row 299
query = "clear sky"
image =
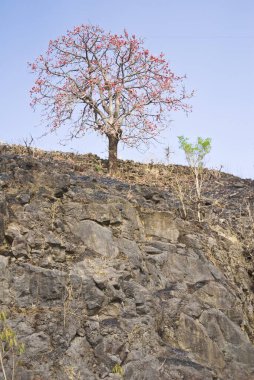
column 210, row 41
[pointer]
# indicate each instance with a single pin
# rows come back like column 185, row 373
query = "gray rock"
column 12, row 232
column 96, row 237
column 3, row 263
column 160, row 224
column 228, row 336
column 24, row 198
column 192, row 336
column 37, row 344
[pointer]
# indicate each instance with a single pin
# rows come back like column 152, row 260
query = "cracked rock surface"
column 95, row 273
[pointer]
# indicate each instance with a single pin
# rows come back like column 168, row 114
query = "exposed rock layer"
column 95, row 272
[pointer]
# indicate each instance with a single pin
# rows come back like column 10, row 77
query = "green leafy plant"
column 118, row 369
column 195, row 155
column 10, row 347
column 98, row 168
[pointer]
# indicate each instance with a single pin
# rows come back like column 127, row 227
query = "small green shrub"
column 10, row 347
column 118, row 369
column 195, row 155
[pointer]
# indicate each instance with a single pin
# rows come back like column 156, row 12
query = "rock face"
column 102, row 282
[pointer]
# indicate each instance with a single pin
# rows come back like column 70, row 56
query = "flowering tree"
column 91, row 79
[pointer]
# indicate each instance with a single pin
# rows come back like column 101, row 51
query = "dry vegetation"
column 219, row 195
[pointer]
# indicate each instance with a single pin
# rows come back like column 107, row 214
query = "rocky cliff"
column 102, row 278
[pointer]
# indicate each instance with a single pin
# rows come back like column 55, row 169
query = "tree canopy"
column 92, row 79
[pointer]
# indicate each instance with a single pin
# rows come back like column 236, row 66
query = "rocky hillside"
column 109, row 278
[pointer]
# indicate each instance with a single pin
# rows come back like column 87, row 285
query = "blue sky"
column 210, row 41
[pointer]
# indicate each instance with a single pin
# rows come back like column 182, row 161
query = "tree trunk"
column 112, row 153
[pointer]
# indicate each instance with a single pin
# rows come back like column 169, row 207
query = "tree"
column 90, row 79
column 195, row 155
